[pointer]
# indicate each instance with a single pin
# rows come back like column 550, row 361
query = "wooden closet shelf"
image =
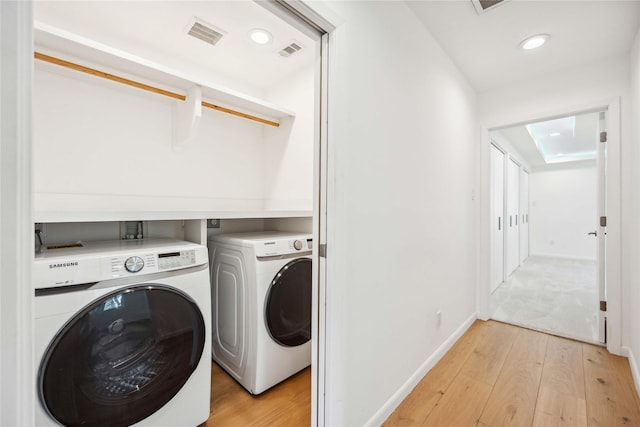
column 149, row 88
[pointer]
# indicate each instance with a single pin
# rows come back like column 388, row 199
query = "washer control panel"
column 151, row 263
column 180, row 259
column 121, row 265
column 133, row 264
column 95, row 261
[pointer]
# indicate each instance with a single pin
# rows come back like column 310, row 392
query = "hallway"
column 498, row 374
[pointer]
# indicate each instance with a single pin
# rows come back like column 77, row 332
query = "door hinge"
column 603, row 306
column 603, row 221
column 322, row 250
column 603, row 137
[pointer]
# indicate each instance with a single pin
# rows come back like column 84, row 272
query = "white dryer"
column 122, row 334
column 261, row 306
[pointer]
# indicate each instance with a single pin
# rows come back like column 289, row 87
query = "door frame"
column 613, row 187
column 18, row 391
column 524, row 214
column 505, row 157
column 507, row 255
column 317, row 20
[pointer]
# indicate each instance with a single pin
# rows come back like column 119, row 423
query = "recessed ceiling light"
column 260, row 36
column 534, row 42
column 554, row 134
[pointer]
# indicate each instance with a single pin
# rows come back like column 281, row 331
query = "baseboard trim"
column 626, row 352
column 390, row 405
column 560, row 256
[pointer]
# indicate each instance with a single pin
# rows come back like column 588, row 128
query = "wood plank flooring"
column 494, row 375
column 502, row 375
column 286, row 404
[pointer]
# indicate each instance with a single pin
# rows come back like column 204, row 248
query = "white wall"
column 632, row 297
column 537, row 98
column 401, row 237
column 562, row 211
column 94, row 137
column 288, row 155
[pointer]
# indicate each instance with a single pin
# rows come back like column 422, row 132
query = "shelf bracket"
column 186, row 118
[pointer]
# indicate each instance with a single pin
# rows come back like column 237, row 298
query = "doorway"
column 558, row 279
column 303, row 41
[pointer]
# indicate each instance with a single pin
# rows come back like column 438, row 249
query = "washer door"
column 122, row 357
column 288, row 304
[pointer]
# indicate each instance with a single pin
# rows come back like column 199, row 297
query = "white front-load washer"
column 122, row 334
column 261, row 306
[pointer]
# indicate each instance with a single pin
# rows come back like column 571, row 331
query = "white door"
column 524, row 215
column 601, row 228
column 497, row 217
column 511, row 220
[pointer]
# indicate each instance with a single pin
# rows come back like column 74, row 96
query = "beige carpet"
column 553, row 295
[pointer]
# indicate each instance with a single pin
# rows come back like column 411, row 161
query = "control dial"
column 297, row 245
column 134, row 264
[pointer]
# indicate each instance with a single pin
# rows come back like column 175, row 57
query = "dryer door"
column 288, row 304
column 122, row 357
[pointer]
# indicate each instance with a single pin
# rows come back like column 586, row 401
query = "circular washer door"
column 122, row 357
column 288, row 304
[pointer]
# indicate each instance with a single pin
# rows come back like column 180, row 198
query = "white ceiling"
column 157, row 31
column 485, row 47
column 571, row 145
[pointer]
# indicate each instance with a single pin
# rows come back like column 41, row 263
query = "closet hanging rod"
column 149, row 88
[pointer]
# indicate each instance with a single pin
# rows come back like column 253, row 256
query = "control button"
column 134, row 264
column 297, row 244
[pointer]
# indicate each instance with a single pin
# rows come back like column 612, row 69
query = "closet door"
column 497, row 217
column 512, row 221
column 524, row 215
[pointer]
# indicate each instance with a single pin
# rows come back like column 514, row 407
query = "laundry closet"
column 164, row 120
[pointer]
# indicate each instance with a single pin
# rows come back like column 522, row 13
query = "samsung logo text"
column 64, row 264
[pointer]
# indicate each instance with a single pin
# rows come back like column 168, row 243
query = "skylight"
column 557, row 141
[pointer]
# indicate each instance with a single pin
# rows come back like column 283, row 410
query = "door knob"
column 593, row 233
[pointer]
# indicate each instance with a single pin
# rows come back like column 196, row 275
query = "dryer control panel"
column 269, row 248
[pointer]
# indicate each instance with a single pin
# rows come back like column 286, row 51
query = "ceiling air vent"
column 204, row 31
column 485, row 5
column 290, row 49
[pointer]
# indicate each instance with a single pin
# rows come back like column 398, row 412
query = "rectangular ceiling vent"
column 290, row 49
column 204, row 31
column 485, row 5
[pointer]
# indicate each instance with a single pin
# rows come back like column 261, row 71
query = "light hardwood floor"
column 503, row 375
column 286, row 404
column 495, row 375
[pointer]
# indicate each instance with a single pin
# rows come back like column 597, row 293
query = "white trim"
column 628, row 353
column 318, row 360
column 498, row 146
column 396, row 399
column 17, row 393
column 567, row 257
column 614, row 325
column 614, row 238
column 316, row 24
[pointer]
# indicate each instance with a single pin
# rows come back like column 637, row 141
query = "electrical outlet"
column 438, row 318
column 213, row 223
